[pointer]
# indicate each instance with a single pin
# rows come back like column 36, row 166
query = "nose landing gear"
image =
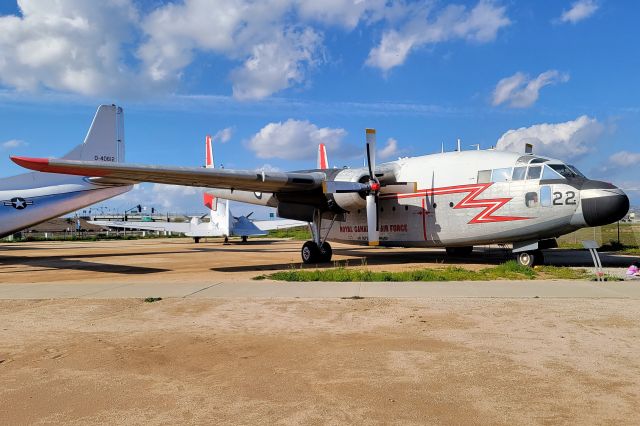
column 530, row 258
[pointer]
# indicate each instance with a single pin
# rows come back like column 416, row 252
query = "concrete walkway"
column 271, row 289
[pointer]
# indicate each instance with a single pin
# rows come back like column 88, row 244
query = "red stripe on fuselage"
column 490, row 206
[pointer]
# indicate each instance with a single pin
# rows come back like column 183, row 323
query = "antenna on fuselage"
column 458, row 147
column 442, row 147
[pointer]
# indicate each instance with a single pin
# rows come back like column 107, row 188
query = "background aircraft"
column 31, row 198
column 454, row 200
column 221, row 224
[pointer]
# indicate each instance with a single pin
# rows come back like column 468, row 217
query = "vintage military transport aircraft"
column 31, row 198
column 454, row 200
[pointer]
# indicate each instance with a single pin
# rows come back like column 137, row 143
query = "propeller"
column 373, row 225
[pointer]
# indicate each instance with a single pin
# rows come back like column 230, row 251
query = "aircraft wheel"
column 530, row 258
column 244, row 238
column 325, row 253
column 196, row 240
column 310, row 252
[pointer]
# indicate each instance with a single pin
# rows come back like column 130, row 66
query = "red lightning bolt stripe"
column 469, row 202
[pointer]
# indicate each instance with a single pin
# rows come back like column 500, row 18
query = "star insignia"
column 18, row 203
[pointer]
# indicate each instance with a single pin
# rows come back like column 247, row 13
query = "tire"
column 529, row 258
column 196, row 240
column 244, row 238
column 325, row 253
column 310, row 253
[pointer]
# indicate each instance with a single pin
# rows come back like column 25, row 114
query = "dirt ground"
column 369, row 361
column 180, row 260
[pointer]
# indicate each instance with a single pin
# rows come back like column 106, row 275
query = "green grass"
column 300, row 233
column 509, row 270
column 562, row 273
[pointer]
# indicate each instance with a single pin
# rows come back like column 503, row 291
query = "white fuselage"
column 31, row 198
column 454, row 206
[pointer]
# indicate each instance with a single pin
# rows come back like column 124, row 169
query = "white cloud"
column 224, row 135
column 389, row 150
column 13, row 143
column 121, row 48
column 520, row 91
column 67, row 45
column 625, row 159
column 294, row 140
column 581, row 9
column 276, row 65
column 479, row 24
column 566, row 140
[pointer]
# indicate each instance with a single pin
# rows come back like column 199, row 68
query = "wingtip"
column 30, row 162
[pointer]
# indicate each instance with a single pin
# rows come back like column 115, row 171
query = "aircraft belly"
column 14, row 217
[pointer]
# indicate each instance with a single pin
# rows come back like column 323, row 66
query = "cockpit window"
column 549, row 173
column 501, row 175
column 576, row 171
column 519, row 173
column 534, row 172
column 565, row 170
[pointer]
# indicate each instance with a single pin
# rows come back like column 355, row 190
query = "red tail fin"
column 210, row 201
column 322, row 157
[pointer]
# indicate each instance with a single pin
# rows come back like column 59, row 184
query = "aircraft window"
column 566, row 171
column 549, row 173
column 484, row 176
column 501, row 175
column 537, row 161
column 576, row 171
column 531, row 199
column 519, row 173
column 534, row 172
column 545, row 196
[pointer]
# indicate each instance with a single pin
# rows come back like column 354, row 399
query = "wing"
column 246, row 180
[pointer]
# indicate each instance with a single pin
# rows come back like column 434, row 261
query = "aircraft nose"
column 602, row 203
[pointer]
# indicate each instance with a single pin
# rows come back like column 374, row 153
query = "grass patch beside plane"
column 510, row 270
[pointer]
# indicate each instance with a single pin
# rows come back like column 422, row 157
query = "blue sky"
column 281, row 75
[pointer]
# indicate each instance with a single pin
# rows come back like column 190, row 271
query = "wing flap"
column 186, row 176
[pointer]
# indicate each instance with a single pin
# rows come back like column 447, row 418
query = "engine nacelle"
column 349, row 201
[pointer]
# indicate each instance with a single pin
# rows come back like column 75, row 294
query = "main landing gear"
column 530, row 258
column 318, row 250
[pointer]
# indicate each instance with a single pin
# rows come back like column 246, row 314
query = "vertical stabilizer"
column 105, row 140
column 322, row 157
column 220, row 218
column 210, row 201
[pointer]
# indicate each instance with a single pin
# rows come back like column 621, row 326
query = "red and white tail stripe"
column 322, row 157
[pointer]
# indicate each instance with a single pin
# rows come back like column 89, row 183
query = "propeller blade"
column 333, row 187
column 371, row 152
column 372, row 220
